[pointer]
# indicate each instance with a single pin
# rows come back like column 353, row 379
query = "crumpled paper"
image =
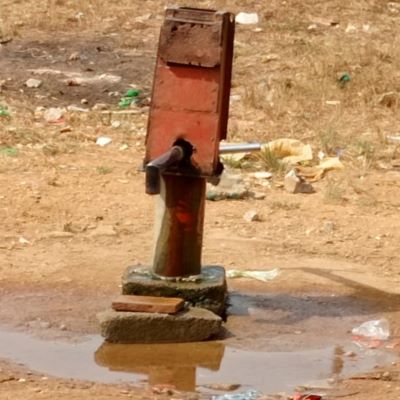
column 291, row 151
column 317, row 172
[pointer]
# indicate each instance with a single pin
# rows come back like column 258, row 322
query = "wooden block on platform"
column 150, row 304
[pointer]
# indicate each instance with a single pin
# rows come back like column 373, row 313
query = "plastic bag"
column 375, row 329
column 264, row 276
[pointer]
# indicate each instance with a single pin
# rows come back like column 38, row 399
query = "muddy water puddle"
column 188, row 366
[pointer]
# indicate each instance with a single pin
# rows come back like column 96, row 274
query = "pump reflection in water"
column 164, row 364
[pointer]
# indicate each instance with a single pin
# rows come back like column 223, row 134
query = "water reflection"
column 164, row 363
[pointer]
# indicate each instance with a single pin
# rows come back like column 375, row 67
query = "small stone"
column 350, row 354
column 63, row 327
column 191, row 325
column 258, row 196
column 230, row 187
column 329, row 227
column 103, row 141
column 33, row 83
column 115, row 124
column 103, row 230
column 263, row 175
column 53, row 114
column 251, row 216
column 389, row 99
column 74, row 56
column 295, row 184
column 84, row 101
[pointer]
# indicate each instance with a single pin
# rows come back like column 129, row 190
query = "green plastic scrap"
column 345, row 78
column 264, row 276
column 4, row 112
column 8, row 151
column 130, row 97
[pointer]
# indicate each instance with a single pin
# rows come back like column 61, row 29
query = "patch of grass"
column 367, row 201
column 329, row 139
column 102, row 170
column 334, row 193
column 237, row 163
column 9, row 151
column 271, row 162
column 366, row 149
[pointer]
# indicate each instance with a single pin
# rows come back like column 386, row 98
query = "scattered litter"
column 296, row 184
column 225, row 387
column 264, row 276
column 33, row 83
column 75, row 108
column 291, row 151
column 123, row 147
column 251, row 216
column 103, row 141
column 78, row 77
column 115, row 124
column 247, row 18
column 324, row 21
column 100, row 107
column 247, row 395
column 8, row 151
column 315, row 173
column 53, row 114
column 351, row 28
column 344, row 79
column 263, row 175
column 306, row 396
column 22, row 240
column 166, row 389
column 392, row 138
column 130, row 97
column 235, row 97
column 375, row 329
column 366, row 28
column 4, row 112
column 332, row 102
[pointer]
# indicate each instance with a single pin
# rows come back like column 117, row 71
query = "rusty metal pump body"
column 188, row 119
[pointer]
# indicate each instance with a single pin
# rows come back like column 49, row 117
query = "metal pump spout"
column 155, row 168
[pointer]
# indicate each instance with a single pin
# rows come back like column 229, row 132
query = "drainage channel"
column 189, row 366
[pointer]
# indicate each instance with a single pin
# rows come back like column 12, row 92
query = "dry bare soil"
column 74, row 214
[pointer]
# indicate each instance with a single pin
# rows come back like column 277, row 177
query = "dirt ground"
column 74, row 214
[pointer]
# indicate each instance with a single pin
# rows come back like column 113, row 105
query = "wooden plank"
column 150, row 304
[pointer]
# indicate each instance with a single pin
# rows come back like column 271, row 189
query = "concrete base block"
column 191, row 325
column 208, row 291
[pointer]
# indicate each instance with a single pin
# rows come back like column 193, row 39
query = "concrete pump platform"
column 208, row 290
